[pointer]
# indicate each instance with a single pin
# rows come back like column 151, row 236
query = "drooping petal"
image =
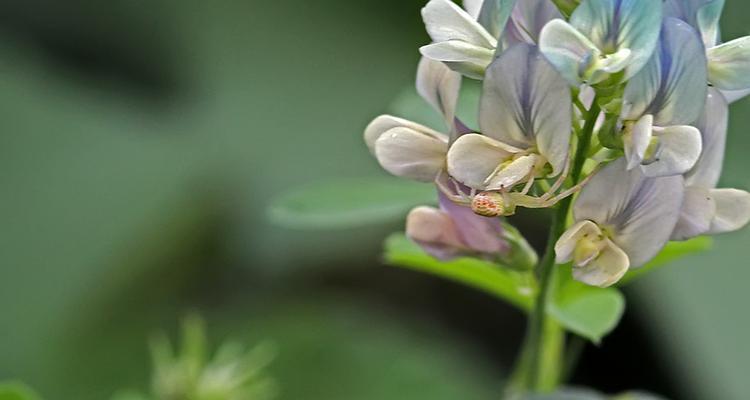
column 566, row 245
column 435, row 232
column 640, row 212
column 439, row 86
column 527, row 20
column 481, row 234
column 494, row 15
column 713, row 127
column 567, row 49
column 525, row 103
column 636, row 142
column 621, row 24
column 729, row 64
column 384, row 123
column 445, row 21
column 697, row 212
column 703, row 15
column 517, row 171
column 679, row 149
column 462, row 57
column 411, row 154
column 670, row 86
column 606, row 269
column 473, row 158
column 732, row 210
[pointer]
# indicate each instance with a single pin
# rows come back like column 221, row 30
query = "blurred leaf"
column 348, row 203
column 408, row 104
column 129, row 395
column 16, row 391
column 590, row 394
column 515, row 287
column 671, row 252
column 588, row 311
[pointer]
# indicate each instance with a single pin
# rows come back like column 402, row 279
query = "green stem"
column 537, row 351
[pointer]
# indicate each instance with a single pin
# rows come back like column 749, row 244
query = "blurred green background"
column 142, row 142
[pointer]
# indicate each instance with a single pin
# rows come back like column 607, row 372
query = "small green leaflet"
column 517, row 288
column 349, row 203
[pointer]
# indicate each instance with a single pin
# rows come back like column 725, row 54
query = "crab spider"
column 503, row 203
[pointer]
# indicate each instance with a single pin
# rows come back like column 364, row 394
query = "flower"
column 527, row 20
column 622, row 220
column 452, row 231
column 659, row 102
column 706, row 209
column 525, row 117
column 728, row 63
column 411, row 150
column 604, row 37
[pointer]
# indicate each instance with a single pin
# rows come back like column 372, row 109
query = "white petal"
column 606, row 269
column 460, row 56
column 473, row 7
column 566, row 245
column 713, row 126
column 439, row 86
column 567, row 49
column 445, row 21
column 729, row 64
column 637, row 141
column 641, row 212
column 698, row 209
column 516, row 172
column 618, row 24
column 668, row 87
column 473, row 158
column 732, row 210
column 701, row 14
column 384, row 123
column 527, row 20
column 434, row 231
column 411, row 154
column 525, row 103
column 680, row 147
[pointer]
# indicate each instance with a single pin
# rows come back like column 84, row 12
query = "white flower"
column 661, row 100
column 411, row 150
column 708, row 210
column 603, row 37
column 525, row 117
column 622, row 220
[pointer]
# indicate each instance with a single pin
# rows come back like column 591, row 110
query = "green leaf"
column 587, row 311
column 671, row 252
column 348, row 203
column 129, row 395
column 515, row 287
column 16, row 391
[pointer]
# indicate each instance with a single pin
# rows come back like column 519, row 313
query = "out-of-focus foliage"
column 16, row 391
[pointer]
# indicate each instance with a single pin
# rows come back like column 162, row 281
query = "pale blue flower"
column 603, row 37
column 622, row 220
column 525, row 119
column 662, row 100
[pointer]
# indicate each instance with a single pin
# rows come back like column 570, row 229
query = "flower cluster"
column 620, row 103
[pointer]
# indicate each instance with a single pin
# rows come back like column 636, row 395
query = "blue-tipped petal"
column 729, row 64
column 671, row 86
column 460, row 56
column 526, row 104
column 568, row 50
column 613, row 25
column 703, row 15
column 713, row 126
column 494, row 14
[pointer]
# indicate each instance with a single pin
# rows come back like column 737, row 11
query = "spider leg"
column 458, row 197
column 529, row 184
column 560, row 180
column 570, row 191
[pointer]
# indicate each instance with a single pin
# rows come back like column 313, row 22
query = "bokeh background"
column 141, row 144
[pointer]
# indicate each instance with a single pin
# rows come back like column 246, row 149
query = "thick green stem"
column 540, row 357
